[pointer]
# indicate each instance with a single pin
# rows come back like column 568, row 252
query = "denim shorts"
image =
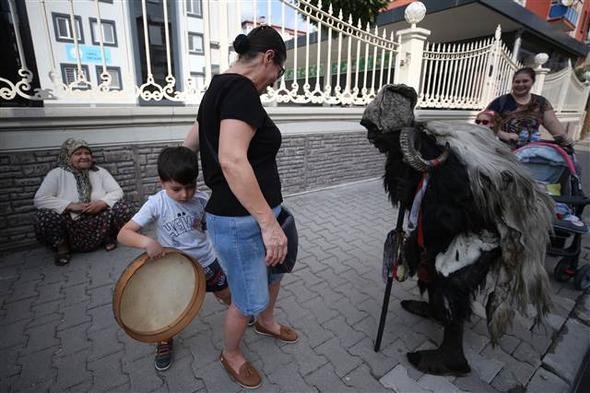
column 240, row 251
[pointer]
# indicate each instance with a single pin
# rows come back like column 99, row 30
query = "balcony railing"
column 561, row 12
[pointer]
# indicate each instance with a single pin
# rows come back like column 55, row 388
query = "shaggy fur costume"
column 481, row 213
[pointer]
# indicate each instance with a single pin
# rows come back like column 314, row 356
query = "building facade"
column 571, row 16
column 120, row 45
column 556, row 27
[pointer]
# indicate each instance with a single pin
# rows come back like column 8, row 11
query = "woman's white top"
column 59, row 189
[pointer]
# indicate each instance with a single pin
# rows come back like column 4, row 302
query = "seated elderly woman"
column 79, row 204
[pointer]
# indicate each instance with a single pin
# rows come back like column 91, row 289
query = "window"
column 115, row 73
column 195, row 43
column 109, row 34
column 69, row 75
column 156, row 35
column 194, row 8
column 63, row 28
column 198, row 79
column 586, row 25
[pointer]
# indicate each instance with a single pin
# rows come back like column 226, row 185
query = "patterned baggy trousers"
column 85, row 233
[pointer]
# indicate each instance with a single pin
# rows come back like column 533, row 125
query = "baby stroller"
column 555, row 169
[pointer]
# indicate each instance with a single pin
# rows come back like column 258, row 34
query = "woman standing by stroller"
column 522, row 113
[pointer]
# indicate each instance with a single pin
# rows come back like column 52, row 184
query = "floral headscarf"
column 82, row 179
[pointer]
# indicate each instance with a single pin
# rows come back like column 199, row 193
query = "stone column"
column 540, row 71
column 408, row 62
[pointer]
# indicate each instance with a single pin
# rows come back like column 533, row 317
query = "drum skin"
column 154, row 299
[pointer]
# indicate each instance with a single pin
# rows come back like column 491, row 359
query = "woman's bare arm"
column 507, row 136
column 552, row 124
column 191, row 140
column 234, row 139
column 555, row 128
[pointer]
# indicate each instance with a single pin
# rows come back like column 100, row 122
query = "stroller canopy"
column 546, row 161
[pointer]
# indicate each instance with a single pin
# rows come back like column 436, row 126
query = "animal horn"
column 407, row 140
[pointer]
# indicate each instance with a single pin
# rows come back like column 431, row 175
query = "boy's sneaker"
column 251, row 321
column 163, row 359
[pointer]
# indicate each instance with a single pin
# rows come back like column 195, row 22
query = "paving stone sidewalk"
column 59, row 334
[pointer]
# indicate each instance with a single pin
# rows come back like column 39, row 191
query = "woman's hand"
column 154, row 249
column 95, row 207
column 77, row 207
column 508, row 137
column 275, row 243
column 564, row 140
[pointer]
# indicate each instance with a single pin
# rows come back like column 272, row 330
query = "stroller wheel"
column 582, row 280
column 563, row 270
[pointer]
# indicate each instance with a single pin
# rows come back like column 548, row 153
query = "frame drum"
column 155, row 299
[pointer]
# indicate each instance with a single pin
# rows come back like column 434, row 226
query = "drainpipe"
column 516, row 47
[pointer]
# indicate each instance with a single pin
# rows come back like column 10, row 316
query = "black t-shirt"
column 233, row 96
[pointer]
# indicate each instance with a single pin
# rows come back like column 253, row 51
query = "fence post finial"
column 540, row 71
column 408, row 62
column 414, row 13
column 491, row 86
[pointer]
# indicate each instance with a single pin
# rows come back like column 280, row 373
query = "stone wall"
column 306, row 162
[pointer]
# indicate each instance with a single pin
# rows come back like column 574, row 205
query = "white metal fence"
column 466, row 75
column 332, row 60
column 346, row 63
column 453, row 75
column 565, row 91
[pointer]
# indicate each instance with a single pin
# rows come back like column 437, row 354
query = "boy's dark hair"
column 179, row 164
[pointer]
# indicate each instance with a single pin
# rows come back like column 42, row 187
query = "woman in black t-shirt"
column 522, row 113
column 238, row 143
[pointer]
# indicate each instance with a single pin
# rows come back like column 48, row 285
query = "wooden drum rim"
column 179, row 323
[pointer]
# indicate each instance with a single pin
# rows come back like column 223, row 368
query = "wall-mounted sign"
column 88, row 54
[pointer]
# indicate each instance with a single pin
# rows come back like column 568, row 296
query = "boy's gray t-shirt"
column 179, row 225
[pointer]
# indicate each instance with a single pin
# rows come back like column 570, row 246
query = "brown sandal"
column 247, row 376
column 62, row 259
column 62, row 255
column 286, row 334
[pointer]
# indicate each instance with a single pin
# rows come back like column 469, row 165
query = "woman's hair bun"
column 241, row 44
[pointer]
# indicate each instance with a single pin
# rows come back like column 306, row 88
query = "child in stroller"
column 555, row 168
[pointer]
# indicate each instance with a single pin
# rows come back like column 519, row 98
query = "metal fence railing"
column 153, row 51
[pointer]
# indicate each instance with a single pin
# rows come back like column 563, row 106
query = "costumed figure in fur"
column 474, row 212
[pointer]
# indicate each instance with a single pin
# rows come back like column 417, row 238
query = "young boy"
column 179, row 213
